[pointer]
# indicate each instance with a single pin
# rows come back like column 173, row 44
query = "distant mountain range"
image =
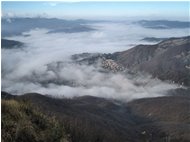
column 153, row 39
column 16, row 26
column 163, row 24
column 10, row 44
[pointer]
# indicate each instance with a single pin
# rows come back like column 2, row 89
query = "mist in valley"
column 44, row 65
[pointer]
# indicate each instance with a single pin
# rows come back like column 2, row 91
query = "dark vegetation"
column 34, row 117
column 23, row 122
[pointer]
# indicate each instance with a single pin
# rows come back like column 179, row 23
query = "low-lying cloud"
column 71, row 79
column 44, row 65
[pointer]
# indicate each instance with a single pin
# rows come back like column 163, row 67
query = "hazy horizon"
column 98, row 10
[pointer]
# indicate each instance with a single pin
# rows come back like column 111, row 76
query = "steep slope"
column 167, row 60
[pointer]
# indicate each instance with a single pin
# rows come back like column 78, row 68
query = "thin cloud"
column 52, row 4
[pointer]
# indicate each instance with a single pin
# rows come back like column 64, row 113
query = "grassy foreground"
column 22, row 122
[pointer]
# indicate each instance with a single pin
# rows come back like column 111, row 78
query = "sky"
column 177, row 9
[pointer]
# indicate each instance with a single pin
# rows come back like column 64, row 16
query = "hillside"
column 96, row 119
column 167, row 60
column 23, row 122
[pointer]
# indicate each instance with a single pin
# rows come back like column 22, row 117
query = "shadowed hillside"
column 96, row 119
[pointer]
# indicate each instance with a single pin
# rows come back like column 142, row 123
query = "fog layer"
column 43, row 65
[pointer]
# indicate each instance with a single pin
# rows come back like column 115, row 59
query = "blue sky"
column 97, row 9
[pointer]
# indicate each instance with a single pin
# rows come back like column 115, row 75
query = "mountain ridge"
column 167, row 60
